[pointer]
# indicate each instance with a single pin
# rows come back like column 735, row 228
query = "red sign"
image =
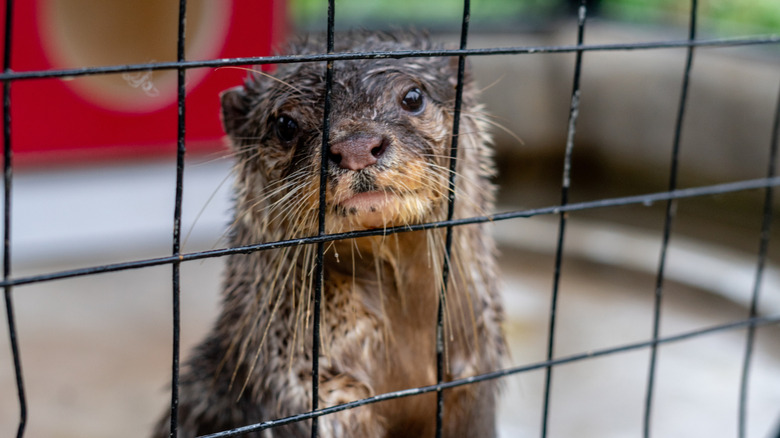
column 132, row 114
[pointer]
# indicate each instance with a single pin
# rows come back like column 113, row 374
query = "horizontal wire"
column 262, row 60
column 646, row 199
column 756, row 321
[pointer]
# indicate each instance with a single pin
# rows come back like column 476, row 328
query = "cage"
column 634, row 219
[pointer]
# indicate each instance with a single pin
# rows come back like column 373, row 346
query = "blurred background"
column 95, row 173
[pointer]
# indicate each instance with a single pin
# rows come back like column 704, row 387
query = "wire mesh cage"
column 561, row 212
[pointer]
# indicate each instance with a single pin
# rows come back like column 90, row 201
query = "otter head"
column 389, row 140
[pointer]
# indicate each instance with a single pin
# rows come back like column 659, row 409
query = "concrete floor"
column 96, row 350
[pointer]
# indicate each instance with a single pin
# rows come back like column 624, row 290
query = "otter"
column 388, row 166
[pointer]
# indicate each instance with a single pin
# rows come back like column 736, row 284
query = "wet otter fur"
column 391, row 122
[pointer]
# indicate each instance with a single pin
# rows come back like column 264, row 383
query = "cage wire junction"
column 751, row 321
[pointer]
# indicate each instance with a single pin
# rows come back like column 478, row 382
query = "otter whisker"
column 460, row 192
column 496, row 125
column 267, row 298
column 277, row 304
column 264, row 74
column 217, row 156
column 491, row 85
column 203, row 209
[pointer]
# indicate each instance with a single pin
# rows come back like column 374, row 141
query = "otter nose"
column 358, row 151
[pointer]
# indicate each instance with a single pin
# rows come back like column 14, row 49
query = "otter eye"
column 413, row 101
column 286, row 128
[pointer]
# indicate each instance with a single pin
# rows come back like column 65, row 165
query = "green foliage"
column 715, row 16
column 416, row 11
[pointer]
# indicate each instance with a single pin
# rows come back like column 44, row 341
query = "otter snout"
column 358, row 151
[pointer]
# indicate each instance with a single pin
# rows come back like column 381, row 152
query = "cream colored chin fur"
column 380, row 209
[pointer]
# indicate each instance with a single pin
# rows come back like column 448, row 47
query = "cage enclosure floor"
column 96, row 350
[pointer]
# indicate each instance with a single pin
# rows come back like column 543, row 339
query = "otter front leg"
column 361, row 422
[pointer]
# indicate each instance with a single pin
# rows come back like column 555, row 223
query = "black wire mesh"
column 670, row 214
column 176, row 283
column 751, row 322
column 565, row 185
column 319, row 266
column 7, row 181
column 761, row 263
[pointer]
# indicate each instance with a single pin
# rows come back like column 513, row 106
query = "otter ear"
column 235, row 108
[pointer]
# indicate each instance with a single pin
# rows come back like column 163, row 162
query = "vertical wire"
column 574, row 110
column 766, row 227
column 450, row 214
column 670, row 214
column 8, row 179
column 180, row 150
column 319, row 268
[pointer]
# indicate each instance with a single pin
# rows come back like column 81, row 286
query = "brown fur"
column 380, row 294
